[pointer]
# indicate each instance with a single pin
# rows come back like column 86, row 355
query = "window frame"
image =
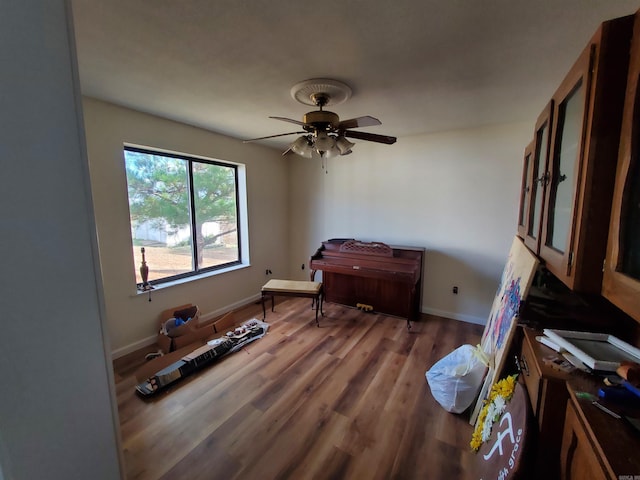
column 240, row 215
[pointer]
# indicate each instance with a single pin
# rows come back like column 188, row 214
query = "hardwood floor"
column 348, row 400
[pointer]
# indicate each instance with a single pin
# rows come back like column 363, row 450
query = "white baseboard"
column 145, row 342
column 455, row 316
column 221, row 311
column 132, row 347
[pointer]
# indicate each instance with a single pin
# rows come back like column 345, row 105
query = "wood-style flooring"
column 348, row 400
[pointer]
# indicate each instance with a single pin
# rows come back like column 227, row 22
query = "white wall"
column 58, row 417
column 454, row 193
column 131, row 318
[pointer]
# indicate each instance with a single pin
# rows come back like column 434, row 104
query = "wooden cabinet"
column 579, row 460
column 576, row 440
column 548, row 395
column 596, row 445
column 574, row 157
column 621, row 284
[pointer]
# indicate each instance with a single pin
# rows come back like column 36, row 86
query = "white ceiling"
column 419, row 66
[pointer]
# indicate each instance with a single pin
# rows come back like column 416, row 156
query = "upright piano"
column 371, row 275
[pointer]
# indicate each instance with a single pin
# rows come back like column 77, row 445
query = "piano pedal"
column 364, row 307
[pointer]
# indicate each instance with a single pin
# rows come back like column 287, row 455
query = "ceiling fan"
column 322, row 131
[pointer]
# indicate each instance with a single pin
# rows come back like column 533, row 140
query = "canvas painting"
column 516, row 280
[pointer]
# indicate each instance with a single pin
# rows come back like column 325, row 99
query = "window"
column 184, row 212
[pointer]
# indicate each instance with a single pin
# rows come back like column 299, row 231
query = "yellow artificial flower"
column 503, row 389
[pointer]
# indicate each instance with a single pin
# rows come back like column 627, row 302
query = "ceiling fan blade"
column 366, row 121
column 371, row 137
column 290, row 120
column 271, row 136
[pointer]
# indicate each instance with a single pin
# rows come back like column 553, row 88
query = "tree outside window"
column 183, row 211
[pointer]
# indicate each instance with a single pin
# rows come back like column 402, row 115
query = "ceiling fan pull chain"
column 324, row 163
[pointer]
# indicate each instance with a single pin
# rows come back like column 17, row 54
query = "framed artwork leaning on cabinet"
column 515, row 283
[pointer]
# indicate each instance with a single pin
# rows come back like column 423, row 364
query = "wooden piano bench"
column 293, row 288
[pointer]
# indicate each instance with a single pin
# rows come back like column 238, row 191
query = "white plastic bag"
column 455, row 379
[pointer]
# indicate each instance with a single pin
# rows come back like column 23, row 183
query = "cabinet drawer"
column 548, row 395
column 546, row 385
column 531, row 375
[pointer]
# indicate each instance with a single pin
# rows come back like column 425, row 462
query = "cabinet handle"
column 571, row 451
column 543, row 180
column 521, row 364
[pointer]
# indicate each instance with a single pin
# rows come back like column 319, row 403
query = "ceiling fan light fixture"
column 344, row 145
column 324, row 134
column 324, row 142
column 302, row 146
column 329, row 153
column 325, row 145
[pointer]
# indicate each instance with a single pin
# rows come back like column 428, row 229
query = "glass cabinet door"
column 564, row 169
column 539, row 182
column 621, row 281
column 630, row 219
column 565, row 186
column 540, row 176
column 525, row 190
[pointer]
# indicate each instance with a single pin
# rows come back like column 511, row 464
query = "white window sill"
column 193, row 278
